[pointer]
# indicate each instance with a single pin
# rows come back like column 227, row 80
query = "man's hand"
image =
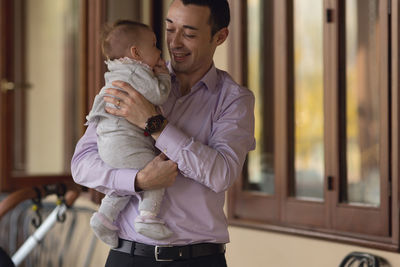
column 158, row 173
column 132, row 105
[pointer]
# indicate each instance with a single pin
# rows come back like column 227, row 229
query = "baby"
column 132, row 57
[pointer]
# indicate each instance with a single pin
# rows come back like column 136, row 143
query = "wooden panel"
column 236, row 42
column 331, row 104
column 282, row 146
column 257, row 207
column 371, row 221
column 6, row 72
column 95, row 64
column 395, row 88
column 305, row 213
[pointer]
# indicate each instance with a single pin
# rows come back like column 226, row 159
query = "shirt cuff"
column 124, row 181
column 171, row 141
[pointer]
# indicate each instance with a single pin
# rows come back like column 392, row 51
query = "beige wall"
column 45, row 100
column 255, row 248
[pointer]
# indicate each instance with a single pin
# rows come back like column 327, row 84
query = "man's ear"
column 135, row 53
column 221, row 35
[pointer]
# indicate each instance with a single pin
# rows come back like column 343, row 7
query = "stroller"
column 65, row 199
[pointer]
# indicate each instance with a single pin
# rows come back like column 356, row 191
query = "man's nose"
column 176, row 40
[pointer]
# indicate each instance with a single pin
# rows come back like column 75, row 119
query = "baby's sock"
column 102, row 221
column 104, row 229
column 149, row 225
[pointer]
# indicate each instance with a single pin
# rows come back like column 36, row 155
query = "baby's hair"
column 117, row 39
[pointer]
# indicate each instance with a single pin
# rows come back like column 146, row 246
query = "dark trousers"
column 121, row 259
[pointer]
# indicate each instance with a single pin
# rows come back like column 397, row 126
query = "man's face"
column 189, row 38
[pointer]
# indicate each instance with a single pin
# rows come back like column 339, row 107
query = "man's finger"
column 127, row 88
column 117, row 93
column 119, row 84
column 113, row 111
column 113, row 100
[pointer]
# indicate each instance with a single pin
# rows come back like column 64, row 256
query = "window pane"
column 260, row 162
column 362, row 101
column 308, row 102
column 47, row 102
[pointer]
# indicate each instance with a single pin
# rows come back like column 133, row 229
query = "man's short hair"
column 219, row 15
column 120, row 36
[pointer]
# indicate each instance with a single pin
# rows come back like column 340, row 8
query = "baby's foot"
column 104, row 229
column 152, row 227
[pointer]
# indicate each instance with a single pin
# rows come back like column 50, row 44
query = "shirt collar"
column 210, row 79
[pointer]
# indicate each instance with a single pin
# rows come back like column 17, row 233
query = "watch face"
column 154, row 124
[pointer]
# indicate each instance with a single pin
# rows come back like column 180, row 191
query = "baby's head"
column 131, row 39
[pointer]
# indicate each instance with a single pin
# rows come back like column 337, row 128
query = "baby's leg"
column 147, row 222
column 102, row 221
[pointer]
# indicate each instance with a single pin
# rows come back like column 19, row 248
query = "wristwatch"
column 154, row 124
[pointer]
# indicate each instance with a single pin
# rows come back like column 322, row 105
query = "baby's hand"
column 160, row 67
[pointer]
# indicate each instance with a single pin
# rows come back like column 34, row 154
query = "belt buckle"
column 156, row 252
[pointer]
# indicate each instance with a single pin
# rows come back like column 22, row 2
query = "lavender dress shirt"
column 210, row 131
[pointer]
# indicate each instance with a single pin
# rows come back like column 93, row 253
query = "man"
column 205, row 131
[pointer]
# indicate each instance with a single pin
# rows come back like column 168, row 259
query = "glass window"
column 47, row 73
column 362, row 102
column 308, row 99
column 332, row 99
column 261, row 161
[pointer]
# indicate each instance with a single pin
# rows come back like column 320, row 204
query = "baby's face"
column 149, row 52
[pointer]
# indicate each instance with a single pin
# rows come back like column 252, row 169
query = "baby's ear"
column 135, row 53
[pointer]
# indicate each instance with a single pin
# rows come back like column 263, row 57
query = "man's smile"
column 179, row 56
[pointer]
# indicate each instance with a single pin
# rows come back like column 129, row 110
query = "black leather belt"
column 169, row 253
